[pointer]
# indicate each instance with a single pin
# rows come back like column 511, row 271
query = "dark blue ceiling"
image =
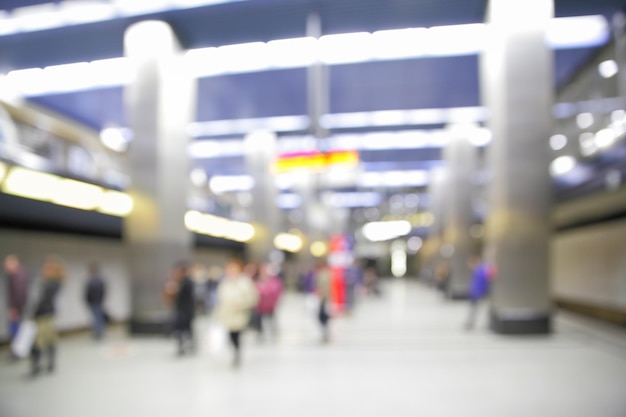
column 410, row 84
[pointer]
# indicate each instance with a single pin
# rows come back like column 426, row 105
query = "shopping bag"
column 25, row 338
column 217, row 339
column 312, row 303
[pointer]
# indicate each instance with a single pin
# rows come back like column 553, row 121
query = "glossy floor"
column 404, row 354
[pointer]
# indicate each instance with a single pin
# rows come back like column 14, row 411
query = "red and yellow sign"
column 315, row 161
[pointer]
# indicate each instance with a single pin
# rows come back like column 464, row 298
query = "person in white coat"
column 236, row 298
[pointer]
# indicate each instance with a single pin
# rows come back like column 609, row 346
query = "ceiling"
column 391, row 85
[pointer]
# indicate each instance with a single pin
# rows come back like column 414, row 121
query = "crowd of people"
column 239, row 297
column 35, row 300
column 246, row 297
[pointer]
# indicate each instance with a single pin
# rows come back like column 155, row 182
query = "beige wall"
column 589, row 265
column 77, row 252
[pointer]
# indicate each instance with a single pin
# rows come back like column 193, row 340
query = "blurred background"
column 447, row 162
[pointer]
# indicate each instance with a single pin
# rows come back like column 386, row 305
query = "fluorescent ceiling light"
column 244, row 126
column 30, row 184
column 8, row 25
column 587, row 143
column 389, row 179
column 3, row 171
column 288, row 201
column 399, row 43
column 608, row 68
column 345, row 48
column 229, row 183
column 38, row 17
column 288, row 242
column 220, row 227
column 116, row 139
column 558, row 142
column 318, row 248
column 408, row 43
column 198, row 177
column 292, row 53
column 457, row 39
column 604, row 138
column 584, row 120
column 577, row 32
column 244, row 57
column 352, row 199
column 77, row 12
column 77, row 194
column 562, row 165
column 381, row 231
column 115, row 203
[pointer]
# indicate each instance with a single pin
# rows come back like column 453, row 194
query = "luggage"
column 25, row 338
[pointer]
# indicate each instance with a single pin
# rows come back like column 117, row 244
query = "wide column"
column 516, row 75
column 437, row 193
column 260, row 154
column 460, row 156
column 160, row 103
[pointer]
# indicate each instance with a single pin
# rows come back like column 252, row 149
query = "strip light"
column 68, row 13
column 288, row 242
column 3, row 171
column 381, row 231
column 562, row 33
column 36, row 185
column 220, row 227
column 77, row 194
column 115, row 203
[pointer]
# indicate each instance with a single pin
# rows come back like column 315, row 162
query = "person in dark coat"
column 95, row 292
column 17, row 284
column 53, row 273
column 184, row 309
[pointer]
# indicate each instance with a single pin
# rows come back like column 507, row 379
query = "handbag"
column 24, row 339
column 217, row 339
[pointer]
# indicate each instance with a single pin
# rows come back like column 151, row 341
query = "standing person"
column 53, row 274
column 354, row 278
column 270, row 288
column 18, row 291
column 253, row 270
column 479, row 287
column 184, row 308
column 236, row 298
column 322, row 288
column 95, row 291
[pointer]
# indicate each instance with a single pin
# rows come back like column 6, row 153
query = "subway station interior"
column 346, row 207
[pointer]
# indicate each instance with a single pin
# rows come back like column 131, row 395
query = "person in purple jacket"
column 479, row 287
column 17, row 284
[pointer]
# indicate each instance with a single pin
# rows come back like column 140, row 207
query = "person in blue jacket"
column 479, row 288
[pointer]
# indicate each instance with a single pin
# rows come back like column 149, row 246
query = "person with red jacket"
column 270, row 288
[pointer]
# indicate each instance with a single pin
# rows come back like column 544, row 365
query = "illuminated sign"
column 315, row 161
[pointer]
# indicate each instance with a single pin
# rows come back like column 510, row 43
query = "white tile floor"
column 404, row 354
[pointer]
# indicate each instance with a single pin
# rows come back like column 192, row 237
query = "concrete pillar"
column 260, row 154
column 317, row 84
column 436, row 196
column 160, row 102
column 460, row 157
column 516, row 77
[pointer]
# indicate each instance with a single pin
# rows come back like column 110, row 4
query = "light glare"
column 608, row 68
column 558, row 142
column 562, row 165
